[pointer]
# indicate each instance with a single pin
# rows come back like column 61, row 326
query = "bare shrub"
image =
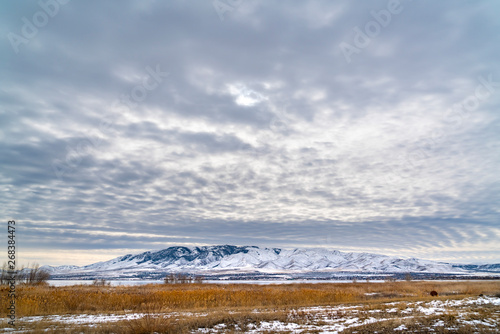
column 37, row 276
column 151, row 323
column 33, row 275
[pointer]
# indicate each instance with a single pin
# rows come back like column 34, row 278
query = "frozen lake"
column 261, row 282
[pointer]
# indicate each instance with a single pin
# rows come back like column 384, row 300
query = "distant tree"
column 100, row 282
column 170, row 279
column 183, row 278
column 4, row 275
column 177, row 279
column 408, row 277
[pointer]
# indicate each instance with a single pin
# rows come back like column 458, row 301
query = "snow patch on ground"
column 400, row 328
column 83, row 318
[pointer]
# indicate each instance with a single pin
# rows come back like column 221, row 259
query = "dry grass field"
column 460, row 307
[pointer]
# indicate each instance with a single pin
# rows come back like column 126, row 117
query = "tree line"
column 182, row 279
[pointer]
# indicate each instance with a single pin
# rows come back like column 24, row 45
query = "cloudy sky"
column 359, row 126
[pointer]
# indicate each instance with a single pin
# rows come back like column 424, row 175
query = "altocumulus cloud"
column 128, row 125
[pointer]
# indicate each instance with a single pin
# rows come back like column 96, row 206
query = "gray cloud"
column 261, row 133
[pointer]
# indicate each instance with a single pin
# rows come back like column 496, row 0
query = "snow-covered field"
column 338, row 319
column 474, row 314
column 393, row 315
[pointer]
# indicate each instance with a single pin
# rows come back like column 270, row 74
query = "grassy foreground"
column 188, row 305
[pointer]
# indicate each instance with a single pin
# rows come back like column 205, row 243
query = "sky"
column 360, row 126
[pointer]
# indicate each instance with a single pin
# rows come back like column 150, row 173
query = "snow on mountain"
column 59, row 269
column 212, row 259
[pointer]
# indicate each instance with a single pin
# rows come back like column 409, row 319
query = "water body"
column 144, row 282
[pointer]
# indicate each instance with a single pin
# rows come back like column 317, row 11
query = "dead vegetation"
column 42, row 300
column 183, row 308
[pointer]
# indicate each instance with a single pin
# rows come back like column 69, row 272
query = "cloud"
column 140, row 126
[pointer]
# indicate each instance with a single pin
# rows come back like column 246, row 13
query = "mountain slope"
column 217, row 259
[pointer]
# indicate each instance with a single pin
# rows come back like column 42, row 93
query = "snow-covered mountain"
column 226, row 258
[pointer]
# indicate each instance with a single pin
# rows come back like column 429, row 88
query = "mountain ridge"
column 248, row 259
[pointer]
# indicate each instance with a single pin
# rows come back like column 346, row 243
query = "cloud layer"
column 127, row 126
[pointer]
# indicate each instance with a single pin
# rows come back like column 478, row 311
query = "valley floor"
column 465, row 307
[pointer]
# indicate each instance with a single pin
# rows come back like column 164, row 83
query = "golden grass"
column 46, row 300
column 186, row 308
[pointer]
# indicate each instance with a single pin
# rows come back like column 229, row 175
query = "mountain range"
column 228, row 259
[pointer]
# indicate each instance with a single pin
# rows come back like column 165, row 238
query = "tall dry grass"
column 45, row 300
